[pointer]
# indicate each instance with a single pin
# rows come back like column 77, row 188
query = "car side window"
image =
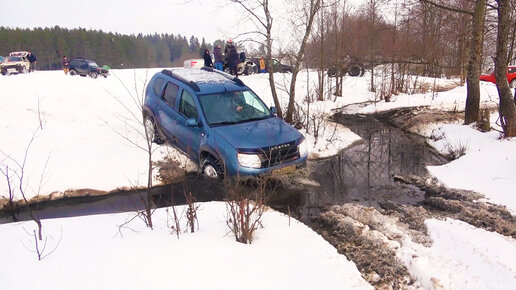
column 512, row 70
column 187, row 106
column 156, row 87
column 170, row 94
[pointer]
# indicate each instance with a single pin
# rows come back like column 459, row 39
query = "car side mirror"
column 192, row 122
column 273, row 110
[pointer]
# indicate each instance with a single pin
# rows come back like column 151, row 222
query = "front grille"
column 278, row 154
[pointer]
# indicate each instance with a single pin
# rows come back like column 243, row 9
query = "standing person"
column 207, row 58
column 232, row 58
column 32, row 58
column 262, row 65
column 65, row 64
column 219, row 62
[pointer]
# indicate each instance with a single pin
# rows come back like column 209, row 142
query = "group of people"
column 231, row 57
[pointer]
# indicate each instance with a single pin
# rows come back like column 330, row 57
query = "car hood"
column 258, row 134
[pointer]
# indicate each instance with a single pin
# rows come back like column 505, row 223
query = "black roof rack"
column 191, row 84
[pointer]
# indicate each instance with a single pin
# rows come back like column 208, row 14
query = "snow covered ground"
column 78, row 141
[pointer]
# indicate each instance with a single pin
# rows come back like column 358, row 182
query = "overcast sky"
column 201, row 18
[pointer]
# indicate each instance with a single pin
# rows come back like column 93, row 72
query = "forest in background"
column 49, row 45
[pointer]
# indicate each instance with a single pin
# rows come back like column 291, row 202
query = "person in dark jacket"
column 232, row 58
column 32, row 58
column 65, row 64
column 207, row 58
column 219, row 61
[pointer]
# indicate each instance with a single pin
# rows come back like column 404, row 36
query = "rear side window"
column 187, row 106
column 156, row 87
column 170, row 94
column 512, row 70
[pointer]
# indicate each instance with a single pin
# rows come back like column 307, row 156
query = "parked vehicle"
column 84, row 67
column 511, row 77
column 244, row 68
column 220, row 123
column 276, row 65
column 16, row 63
column 193, row 63
column 347, row 66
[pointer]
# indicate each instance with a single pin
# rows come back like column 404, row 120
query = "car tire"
column 513, row 83
column 72, row 73
column 212, row 168
column 93, row 75
column 354, row 70
column 152, row 131
column 332, row 72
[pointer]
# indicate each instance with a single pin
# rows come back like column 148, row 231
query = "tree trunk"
column 314, row 8
column 475, row 57
column 507, row 107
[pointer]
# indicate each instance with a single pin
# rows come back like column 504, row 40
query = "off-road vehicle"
column 220, row 123
column 84, row 67
column 16, row 63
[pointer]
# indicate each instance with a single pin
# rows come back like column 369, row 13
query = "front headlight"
column 302, row 148
column 249, row 160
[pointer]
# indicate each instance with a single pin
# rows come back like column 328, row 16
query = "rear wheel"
column 354, row 70
column 211, row 168
column 513, row 83
column 72, row 73
column 152, row 131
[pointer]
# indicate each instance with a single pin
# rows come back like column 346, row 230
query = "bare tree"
column 309, row 11
column 472, row 110
column 16, row 180
column 137, row 125
column 507, row 109
column 259, row 13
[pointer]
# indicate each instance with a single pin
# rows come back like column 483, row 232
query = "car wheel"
column 332, row 72
column 152, row 131
column 513, row 83
column 354, row 70
column 93, row 75
column 23, row 70
column 211, row 168
column 72, row 73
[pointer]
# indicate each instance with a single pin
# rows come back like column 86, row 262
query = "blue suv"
column 220, row 123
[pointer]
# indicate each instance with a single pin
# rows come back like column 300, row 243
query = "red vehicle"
column 511, row 77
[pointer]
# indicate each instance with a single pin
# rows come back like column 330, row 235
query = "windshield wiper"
column 224, row 123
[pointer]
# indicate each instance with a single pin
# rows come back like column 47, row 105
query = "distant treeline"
column 49, row 45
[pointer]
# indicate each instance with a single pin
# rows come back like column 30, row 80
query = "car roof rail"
column 228, row 76
column 191, row 84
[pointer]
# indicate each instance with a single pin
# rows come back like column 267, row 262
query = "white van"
column 194, row 63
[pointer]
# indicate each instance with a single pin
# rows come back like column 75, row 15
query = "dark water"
column 124, row 201
column 362, row 173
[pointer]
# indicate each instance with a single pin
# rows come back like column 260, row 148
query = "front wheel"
column 93, row 75
column 152, row 131
column 72, row 73
column 211, row 168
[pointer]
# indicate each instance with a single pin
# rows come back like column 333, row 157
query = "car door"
column 166, row 113
column 188, row 136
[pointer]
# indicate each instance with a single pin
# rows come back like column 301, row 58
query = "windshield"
column 233, row 107
column 92, row 63
column 14, row 58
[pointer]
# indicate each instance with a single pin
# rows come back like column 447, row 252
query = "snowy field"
column 78, row 126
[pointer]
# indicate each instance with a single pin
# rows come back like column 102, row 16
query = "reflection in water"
column 364, row 173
